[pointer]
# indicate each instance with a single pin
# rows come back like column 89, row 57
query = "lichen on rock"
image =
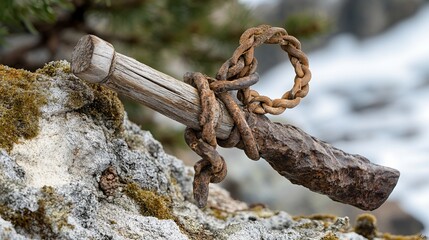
column 77, row 168
column 46, row 221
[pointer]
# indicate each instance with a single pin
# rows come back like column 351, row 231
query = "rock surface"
column 89, row 173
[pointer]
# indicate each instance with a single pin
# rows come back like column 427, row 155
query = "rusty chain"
column 239, row 73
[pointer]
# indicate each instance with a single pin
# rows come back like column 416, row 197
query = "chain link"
column 239, row 73
column 243, row 63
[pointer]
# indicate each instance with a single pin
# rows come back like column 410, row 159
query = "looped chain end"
column 253, row 38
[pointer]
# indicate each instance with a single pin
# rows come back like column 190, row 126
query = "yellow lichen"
column 150, row 203
column 255, row 212
column 50, row 217
column 320, row 217
column 366, row 225
column 326, row 219
column 307, row 225
column 220, row 214
column 20, row 102
column 330, row 236
column 262, row 211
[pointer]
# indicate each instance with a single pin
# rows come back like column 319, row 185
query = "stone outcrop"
column 72, row 166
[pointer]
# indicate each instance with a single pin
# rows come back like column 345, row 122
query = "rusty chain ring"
column 239, row 73
column 243, row 63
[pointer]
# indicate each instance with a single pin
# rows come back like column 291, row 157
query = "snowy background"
column 369, row 97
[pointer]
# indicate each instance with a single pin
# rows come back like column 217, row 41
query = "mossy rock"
column 150, row 203
column 23, row 93
column 50, row 216
column 20, row 102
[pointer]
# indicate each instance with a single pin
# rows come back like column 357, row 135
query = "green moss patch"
column 46, row 221
column 150, row 203
column 55, row 68
column 20, row 103
column 94, row 100
column 106, row 108
column 155, row 205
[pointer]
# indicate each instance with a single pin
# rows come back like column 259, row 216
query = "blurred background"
column 369, row 93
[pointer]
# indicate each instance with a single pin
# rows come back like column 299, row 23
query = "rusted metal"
column 317, row 165
column 212, row 168
column 236, row 73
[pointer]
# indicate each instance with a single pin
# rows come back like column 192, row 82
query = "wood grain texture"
column 93, row 58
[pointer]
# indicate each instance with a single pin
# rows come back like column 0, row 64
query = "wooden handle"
column 96, row 61
column 303, row 159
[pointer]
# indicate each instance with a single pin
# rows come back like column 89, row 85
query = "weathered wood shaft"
column 96, row 61
column 303, row 159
